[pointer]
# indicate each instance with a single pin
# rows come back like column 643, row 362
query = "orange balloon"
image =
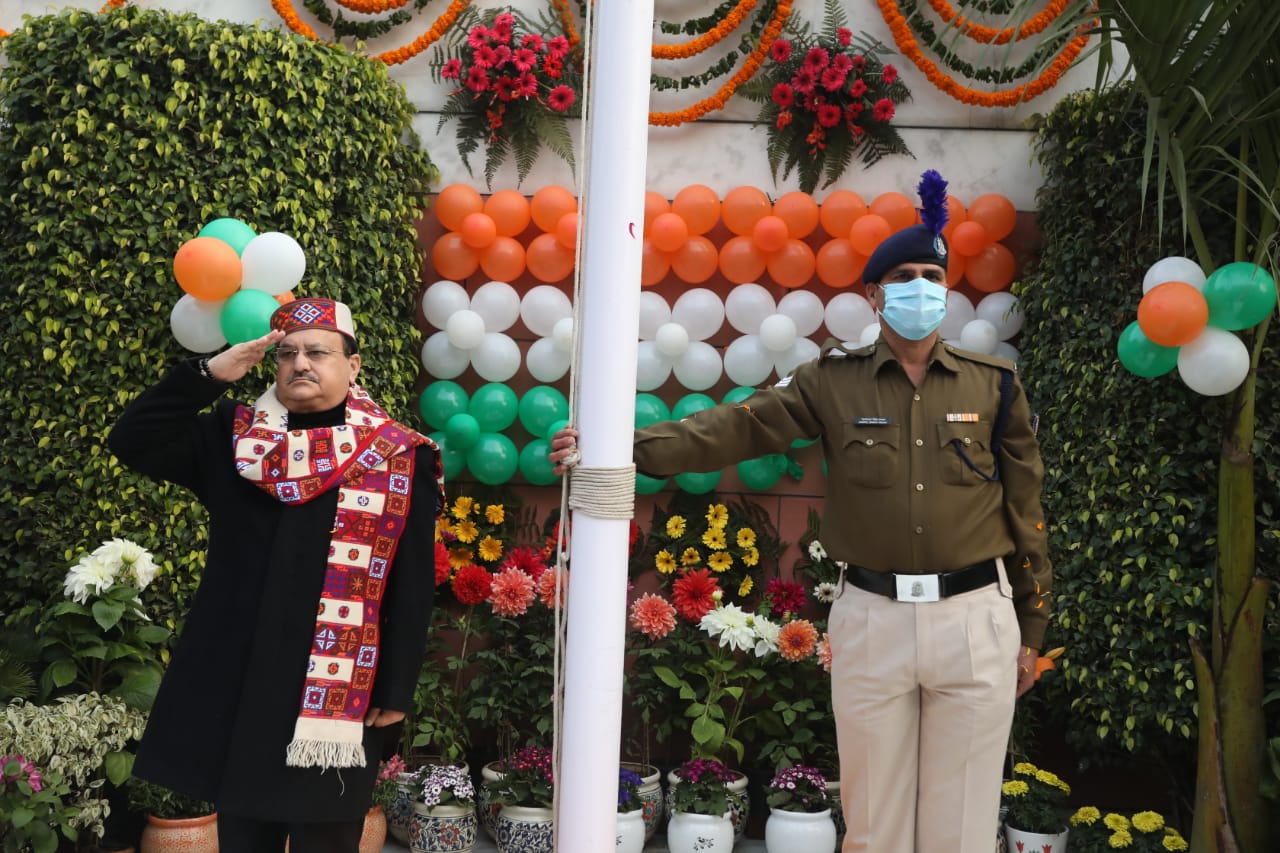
column 898, row 210
column 799, row 211
column 654, row 204
column 509, row 211
column 478, row 230
column 793, row 264
column 1173, row 314
column 549, row 204
column 770, row 233
column 968, row 239
column 567, row 230
column 454, row 202
column 503, row 260
column 453, row 258
column 696, row 261
column 547, row 260
column 741, row 260
column 839, row 212
column 743, row 207
column 955, row 211
column 991, row 269
column 837, row 264
column 995, row 213
column 956, row 266
column 654, row 264
column 207, row 268
column 668, row 231
column 699, row 206
column 285, row 298
column 868, row 232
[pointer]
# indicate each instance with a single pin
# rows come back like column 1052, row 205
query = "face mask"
column 914, row 309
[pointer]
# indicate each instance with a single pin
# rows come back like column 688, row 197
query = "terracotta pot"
column 181, row 835
column 374, row 835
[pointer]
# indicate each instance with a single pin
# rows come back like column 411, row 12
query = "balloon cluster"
column 482, row 234
column 674, row 238
column 1186, row 320
column 233, row 280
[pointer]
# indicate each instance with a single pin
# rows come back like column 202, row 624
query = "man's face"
column 313, row 373
column 903, row 273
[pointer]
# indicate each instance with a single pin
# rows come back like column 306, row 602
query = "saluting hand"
column 234, row 362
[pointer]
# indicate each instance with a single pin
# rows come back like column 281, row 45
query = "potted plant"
column 1094, row 832
column 799, row 812
column 174, row 821
column 1037, row 802
column 700, row 807
column 525, row 792
column 444, row 811
column 31, row 807
column 386, row 789
column 631, row 827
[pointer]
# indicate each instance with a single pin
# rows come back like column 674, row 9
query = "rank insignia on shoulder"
column 783, row 382
column 962, row 417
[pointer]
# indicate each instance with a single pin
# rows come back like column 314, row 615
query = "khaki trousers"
column 923, row 697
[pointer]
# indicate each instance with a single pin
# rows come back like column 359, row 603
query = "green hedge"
column 1131, row 480
column 121, row 134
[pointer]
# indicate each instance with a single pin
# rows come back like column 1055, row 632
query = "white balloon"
column 196, row 324
column 442, row 359
column 654, row 312
column 1215, row 363
column 801, row 352
column 1174, row 269
column 747, row 361
column 652, row 367
column 441, row 300
column 672, row 340
column 273, row 263
column 1002, row 310
column 699, row 368
column 542, row 306
column 545, row 362
column 465, row 329
column 562, row 335
column 778, row 332
column 497, row 358
column 805, row 308
column 979, row 336
column 960, row 312
column 848, row 314
column 747, row 305
column 498, row 305
column 869, row 335
column 1004, row 349
column 700, row 311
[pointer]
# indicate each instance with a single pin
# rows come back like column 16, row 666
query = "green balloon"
column 646, row 485
column 534, row 464
column 698, row 483
column 1141, row 357
column 493, row 459
column 462, row 431
column 737, row 395
column 540, row 407
column 555, row 428
column 650, row 410
column 494, row 406
column 440, row 401
column 688, row 405
column 233, row 232
column 762, row 474
column 452, row 459
column 246, row 316
column 1240, row 296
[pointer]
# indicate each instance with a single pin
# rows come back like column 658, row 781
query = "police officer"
column 933, row 504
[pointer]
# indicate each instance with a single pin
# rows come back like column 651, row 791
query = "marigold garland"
column 987, row 35
column 712, row 37
column 113, row 4
column 749, row 68
column 906, row 43
column 566, row 20
column 372, row 7
column 284, row 8
column 936, row 44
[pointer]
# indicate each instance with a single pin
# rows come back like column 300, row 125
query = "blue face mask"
column 914, row 309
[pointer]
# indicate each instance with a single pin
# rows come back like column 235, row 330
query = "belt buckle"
column 917, row 588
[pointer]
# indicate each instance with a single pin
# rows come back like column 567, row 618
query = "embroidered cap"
column 314, row 314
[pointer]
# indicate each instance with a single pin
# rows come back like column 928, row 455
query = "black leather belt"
column 920, row 588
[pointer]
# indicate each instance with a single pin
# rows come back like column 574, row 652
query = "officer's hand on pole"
column 564, row 450
column 234, row 362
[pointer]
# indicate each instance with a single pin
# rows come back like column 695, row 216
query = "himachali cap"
column 314, row 314
column 919, row 244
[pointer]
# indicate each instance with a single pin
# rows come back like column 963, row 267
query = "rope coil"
column 604, row 492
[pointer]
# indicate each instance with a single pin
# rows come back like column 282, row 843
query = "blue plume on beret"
column 933, row 200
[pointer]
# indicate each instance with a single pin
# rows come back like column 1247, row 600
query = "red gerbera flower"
column 472, row 584
column 857, row 88
column 524, row 59
column 558, row 47
column 859, row 64
column 693, row 594
column 833, row 78
column 528, row 86
column 477, row 79
column 783, row 95
column 442, row 563
column 781, row 50
column 532, row 41
column 845, row 37
column 452, row 69
column 817, row 58
column 511, row 593
column 505, row 88
column 484, row 57
column 788, row 596
column 883, row 110
column 552, row 67
column 561, row 98
column 653, row 616
column 784, row 119
column 889, row 74
column 478, row 37
column 502, row 26
column 804, row 79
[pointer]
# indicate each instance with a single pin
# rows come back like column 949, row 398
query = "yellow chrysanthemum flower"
column 466, row 531
column 745, row 587
column 665, row 562
column 490, row 549
column 1085, row 816
column 1148, row 822
column 1023, row 768
column 751, row 557
column 717, row 516
column 459, row 557
column 462, row 507
column 714, row 539
column 1052, row 781
column 496, row 513
column 1174, row 841
column 690, row 557
column 1115, row 822
column 1015, row 788
column 444, row 525
column 676, row 526
column 746, row 537
column 720, row 561
column 1120, row 839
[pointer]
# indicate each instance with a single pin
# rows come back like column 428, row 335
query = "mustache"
column 303, row 375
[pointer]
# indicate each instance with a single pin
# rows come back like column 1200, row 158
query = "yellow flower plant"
column 1143, row 832
column 1037, row 800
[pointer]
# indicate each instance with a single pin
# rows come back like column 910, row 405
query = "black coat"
column 226, row 708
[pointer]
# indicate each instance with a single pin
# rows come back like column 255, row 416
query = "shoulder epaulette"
column 835, row 349
column 981, row 358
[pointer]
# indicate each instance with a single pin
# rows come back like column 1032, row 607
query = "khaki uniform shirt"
column 900, row 496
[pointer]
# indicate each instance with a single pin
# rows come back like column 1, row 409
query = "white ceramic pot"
column 443, row 829
column 631, row 832
column 525, row 829
column 651, row 793
column 486, row 809
column 739, row 801
column 791, row 832
column 1035, row 842
column 699, row 833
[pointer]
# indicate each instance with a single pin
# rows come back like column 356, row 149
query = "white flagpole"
column 606, row 370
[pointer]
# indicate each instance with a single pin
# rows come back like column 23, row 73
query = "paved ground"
column 657, row 845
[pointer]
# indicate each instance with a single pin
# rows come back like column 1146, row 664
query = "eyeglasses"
column 285, row 355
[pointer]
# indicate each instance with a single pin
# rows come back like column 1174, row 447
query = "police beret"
column 917, row 244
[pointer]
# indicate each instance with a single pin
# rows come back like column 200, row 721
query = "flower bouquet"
column 1144, row 832
column 1037, row 800
column 798, row 789
column 827, row 97
column 516, row 86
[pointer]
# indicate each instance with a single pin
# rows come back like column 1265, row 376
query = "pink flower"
column 824, row 652
column 558, row 47
column 781, row 50
column 842, row 62
column 502, row 26
column 452, row 69
column 859, row 63
column 524, row 59
column 653, row 616
column 783, row 95
column 546, row 586
column 833, row 78
column 532, row 41
column 883, row 110
column 845, row 37
column 817, row 58
column 501, row 55
column 478, row 37
column 561, row 98
column 805, row 79
column 392, row 767
column 857, row 88
column 889, row 74
column 528, row 86
column 512, row 593
column 484, row 57
column 477, row 79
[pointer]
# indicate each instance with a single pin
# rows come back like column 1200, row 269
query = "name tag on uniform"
column 872, row 421
column 962, row 417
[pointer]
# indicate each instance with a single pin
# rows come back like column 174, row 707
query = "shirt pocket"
column 958, row 442
column 871, row 453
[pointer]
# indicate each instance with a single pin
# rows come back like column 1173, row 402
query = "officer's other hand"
column 564, row 450
column 234, row 362
column 1027, row 658
column 381, row 718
